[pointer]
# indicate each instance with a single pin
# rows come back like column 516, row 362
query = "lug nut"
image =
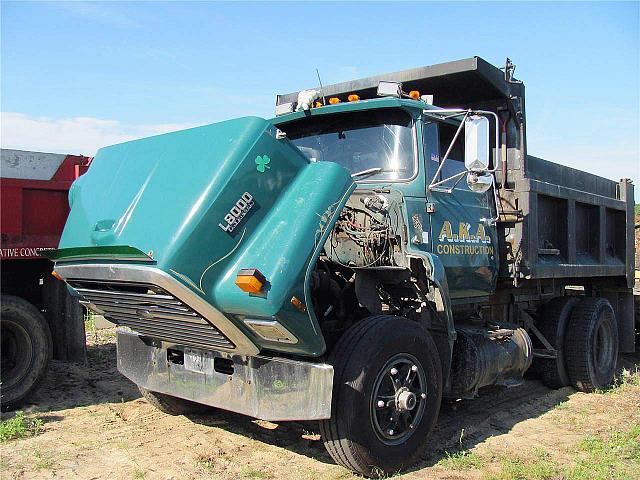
column 423, row 395
column 414, row 368
column 380, row 403
column 390, row 432
column 394, row 371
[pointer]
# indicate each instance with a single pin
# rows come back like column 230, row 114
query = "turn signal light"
column 353, row 97
column 250, row 280
column 334, row 100
column 415, row 94
column 56, row 275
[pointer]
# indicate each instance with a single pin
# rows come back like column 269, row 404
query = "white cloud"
column 77, row 135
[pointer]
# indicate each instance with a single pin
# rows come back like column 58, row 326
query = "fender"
column 436, row 274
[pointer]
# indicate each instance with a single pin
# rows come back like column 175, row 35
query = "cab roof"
column 413, row 106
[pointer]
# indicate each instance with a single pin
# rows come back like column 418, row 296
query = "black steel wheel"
column 173, row 405
column 387, row 391
column 591, row 344
column 25, row 348
column 397, row 403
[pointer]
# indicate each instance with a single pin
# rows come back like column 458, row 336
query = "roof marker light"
column 334, row 100
column 353, row 97
column 415, row 94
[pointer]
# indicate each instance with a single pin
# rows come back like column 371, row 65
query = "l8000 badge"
column 244, row 204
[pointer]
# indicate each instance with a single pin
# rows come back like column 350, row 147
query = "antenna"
column 324, row 101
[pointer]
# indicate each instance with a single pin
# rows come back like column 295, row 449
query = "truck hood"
column 202, row 204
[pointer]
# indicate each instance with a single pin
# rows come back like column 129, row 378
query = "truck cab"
column 416, row 151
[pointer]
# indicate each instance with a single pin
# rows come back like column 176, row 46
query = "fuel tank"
column 202, row 204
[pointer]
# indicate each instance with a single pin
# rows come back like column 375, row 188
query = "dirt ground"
column 97, row 426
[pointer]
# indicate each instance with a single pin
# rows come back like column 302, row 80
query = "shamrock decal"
column 262, row 163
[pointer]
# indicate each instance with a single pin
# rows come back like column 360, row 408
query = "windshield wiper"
column 367, row 172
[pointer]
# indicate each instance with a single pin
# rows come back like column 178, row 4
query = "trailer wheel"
column 387, row 390
column 172, row 405
column 591, row 344
column 26, row 350
column 552, row 323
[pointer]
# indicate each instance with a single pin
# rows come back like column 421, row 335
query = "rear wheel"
column 26, row 350
column 386, row 395
column 173, row 405
column 591, row 345
column 552, row 323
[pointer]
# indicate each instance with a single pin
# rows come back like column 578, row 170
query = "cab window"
column 442, row 133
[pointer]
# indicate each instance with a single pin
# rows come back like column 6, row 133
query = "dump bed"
column 572, row 223
column 34, row 188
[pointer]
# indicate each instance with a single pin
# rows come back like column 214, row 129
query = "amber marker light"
column 334, row 100
column 415, row 94
column 318, row 104
column 56, row 275
column 250, row 280
column 353, row 97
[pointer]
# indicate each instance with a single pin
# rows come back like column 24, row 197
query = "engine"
column 368, row 233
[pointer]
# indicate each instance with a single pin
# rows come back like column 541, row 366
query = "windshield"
column 376, row 144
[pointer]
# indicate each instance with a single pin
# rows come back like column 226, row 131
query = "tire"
column 357, row 436
column 26, row 350
column 552, row 323
column 591, row 345
column 173, row 405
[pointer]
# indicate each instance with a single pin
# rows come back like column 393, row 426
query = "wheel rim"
column 398, row 399
column 16, row 353
column 603, row 344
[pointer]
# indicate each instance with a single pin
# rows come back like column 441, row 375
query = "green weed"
column 462, row 460
column 20, row 426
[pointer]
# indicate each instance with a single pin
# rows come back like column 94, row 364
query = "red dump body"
column 34, row 188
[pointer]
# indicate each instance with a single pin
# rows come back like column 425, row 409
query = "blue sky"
column 78, row 75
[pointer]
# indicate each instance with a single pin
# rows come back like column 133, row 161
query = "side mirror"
column 479, row 183
column 476, row 143
column 390, row 89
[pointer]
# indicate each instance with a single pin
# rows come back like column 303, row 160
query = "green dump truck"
column 376, row 247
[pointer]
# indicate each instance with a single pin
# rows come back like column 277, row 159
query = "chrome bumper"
column 275, row 389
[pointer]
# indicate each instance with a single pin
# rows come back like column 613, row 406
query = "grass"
column 139, row 474
column 541, row 467
column 627, row 380
column 89, row 322
column 41, row 462
column 20, row 426
column 255, row 474
column 613, row 455
column 462, row 460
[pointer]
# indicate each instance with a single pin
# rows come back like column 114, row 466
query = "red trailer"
column 39, row 319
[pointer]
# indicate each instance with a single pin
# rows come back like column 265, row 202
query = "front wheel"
column 386, row 395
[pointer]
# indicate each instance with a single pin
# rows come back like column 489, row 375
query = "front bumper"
column 267, row 388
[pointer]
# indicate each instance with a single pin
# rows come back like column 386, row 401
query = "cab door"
column 462, row 237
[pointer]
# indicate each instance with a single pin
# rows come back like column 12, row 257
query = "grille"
column 152, row 311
